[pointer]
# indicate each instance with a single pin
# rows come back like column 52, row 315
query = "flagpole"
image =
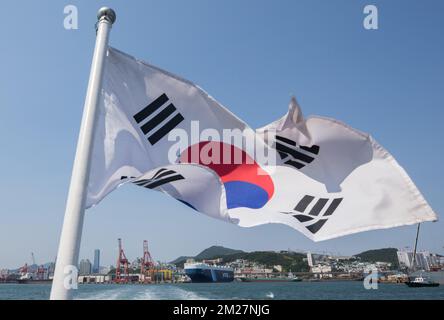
column 65, row 280
column 414, row 250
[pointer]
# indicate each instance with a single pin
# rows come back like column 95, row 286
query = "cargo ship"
column 37, row 281
column 203, row 272
column 29, row 278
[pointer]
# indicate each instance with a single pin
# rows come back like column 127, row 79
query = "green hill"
column 181, row 260
column 216, row 251
column 212, row 252
column 381, row 255
column 289, row 260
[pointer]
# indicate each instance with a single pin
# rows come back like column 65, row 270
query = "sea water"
column 349, row 290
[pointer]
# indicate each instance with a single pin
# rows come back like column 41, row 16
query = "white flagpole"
column 68, row 255
column 414, row 250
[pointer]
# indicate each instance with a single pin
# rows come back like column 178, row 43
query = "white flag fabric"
column 140, row 106
column 318, row 175
column 343, row 181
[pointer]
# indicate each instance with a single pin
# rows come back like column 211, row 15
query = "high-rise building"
column 423, row 259
column 85, row 267
column 96, row 265
column 310, row 259
column 405, row 258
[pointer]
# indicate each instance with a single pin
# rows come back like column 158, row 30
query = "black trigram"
column 161, row 177
column 155, row 127
column 313, row 216
column 291, row 154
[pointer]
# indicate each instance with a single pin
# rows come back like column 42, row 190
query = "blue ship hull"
column 209, row 275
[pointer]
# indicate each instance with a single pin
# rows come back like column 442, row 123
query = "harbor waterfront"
column 328, row 290
column 219, row 264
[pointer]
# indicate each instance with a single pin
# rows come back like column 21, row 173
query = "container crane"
column 122, row 262
column 146, row 264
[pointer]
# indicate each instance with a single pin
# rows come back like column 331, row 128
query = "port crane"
column 40, row 269
column 33, row 271
column 122, row 262
column 146, row 264
column 25, row 268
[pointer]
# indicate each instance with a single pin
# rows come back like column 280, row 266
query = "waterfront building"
column 85, row 267
column 310, row 259
column 370, row 268
column 278, row 268
column 340, row 258
column 4, row 273
column 321, row 271
column 96, row 265
column 405, row 258
column 434, row 260
column 105, row 270
column 423, row 259
column 94, row 279
column 320, row 268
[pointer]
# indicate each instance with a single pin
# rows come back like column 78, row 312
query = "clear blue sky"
column 251, row 56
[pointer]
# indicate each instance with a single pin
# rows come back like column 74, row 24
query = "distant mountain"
column 288, row 260
column 381, row 255
column 216, row 251
column 207, row 254
column 181, row 260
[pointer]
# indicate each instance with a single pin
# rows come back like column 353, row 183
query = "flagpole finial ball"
column 106, row 13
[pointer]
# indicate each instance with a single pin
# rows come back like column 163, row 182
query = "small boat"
column 419, row 282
